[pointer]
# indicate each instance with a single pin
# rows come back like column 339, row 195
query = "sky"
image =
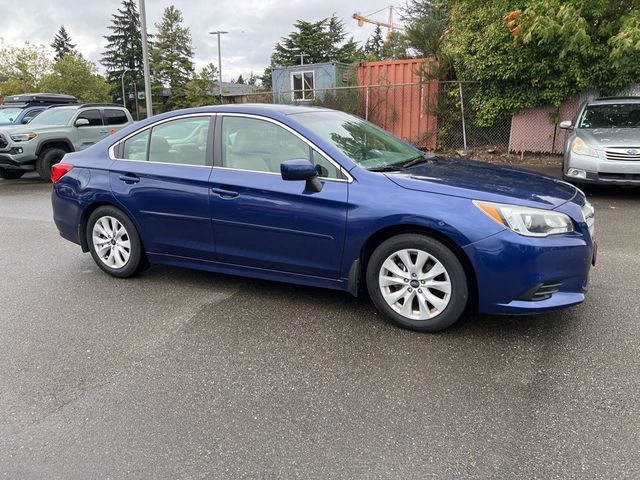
column 254, row 26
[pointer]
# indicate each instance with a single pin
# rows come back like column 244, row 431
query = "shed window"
column 303, row 85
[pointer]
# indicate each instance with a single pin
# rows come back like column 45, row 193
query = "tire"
column 11, row 174
column 436, row 302
column 121, row 254
column 46, row 160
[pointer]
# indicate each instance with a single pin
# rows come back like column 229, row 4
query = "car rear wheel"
column 417, row 283
column 114, row 242
column 11, row 174
column 46, row 160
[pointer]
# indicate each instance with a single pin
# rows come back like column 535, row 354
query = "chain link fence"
column 432, row 115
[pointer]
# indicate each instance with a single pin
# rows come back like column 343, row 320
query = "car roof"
column 612, row 100
column 259, row 108
column 86, row 105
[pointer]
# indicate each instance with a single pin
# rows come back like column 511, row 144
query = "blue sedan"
column 318, row 197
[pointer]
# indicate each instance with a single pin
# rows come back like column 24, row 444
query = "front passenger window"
column 94, row 117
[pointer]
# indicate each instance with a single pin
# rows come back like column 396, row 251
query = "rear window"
column 114, row 117
column 615, row 115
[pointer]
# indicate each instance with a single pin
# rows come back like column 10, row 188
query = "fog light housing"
column 576, row 173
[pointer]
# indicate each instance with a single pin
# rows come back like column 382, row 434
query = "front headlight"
column 23, row 137
column 581, row 148
column 531, row 222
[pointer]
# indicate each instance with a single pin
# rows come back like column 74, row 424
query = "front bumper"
column 525, row 275
column 17, row 161
column 600, row 170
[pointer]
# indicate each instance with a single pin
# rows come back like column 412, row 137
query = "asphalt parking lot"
column 185, row 374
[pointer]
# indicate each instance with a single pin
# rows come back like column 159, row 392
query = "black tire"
column 46, row 160
column 136, row 260
column 11, row 174
column 454, row 273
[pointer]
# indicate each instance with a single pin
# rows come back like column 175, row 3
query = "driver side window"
column 259, row 145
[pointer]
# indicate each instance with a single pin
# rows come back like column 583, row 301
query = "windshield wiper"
column 386, row 168
column 416, row 161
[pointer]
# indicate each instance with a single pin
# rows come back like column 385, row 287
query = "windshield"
column 364, row 143
column 54, row 116
column 8, row 115
column 620, row 115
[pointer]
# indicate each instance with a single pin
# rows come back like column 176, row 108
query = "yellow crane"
column 390, row 25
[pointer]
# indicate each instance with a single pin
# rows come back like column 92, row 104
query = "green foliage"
column 395, row 47
column 124, row 49
column 540, row 52
column 62, row 43
column 203, row 88
column 73, row 75
column 171, row 58
column 373, row 46
column 322, row 41
column 426, row 22
column 24, row 66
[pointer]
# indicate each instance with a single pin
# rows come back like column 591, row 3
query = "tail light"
column 59, row 170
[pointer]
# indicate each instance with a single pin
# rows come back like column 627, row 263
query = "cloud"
column 254, row 26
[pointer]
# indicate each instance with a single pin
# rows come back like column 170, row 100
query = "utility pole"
column 124, row 101
column 145, row 60
column 218, row 33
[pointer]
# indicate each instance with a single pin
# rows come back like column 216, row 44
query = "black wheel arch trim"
column 53, row 141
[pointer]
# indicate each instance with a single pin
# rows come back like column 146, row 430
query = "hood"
column 20, row 128
column 484, row 181
column 600, row 138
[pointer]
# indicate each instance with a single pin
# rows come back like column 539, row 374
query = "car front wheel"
column 114, row 242
column 417, row 282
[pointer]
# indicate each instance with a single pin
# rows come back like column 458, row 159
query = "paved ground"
column 182, row 374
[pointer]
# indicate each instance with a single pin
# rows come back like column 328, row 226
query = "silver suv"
column 603, row 144
column 58, row 130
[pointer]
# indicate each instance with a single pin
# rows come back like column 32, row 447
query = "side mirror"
column 566, row 125
column 301, row 170
column 26, row 120
column 81, row 122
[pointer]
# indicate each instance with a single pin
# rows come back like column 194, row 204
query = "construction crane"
column 362, row 19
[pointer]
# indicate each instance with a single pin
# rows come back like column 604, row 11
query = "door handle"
column 224, row 193
column 129, row 178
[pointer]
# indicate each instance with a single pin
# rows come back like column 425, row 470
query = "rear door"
column 161, row 177
column 114, row 119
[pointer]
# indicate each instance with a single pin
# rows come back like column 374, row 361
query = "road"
column 185, row 374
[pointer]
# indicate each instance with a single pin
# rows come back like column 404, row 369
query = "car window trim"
column 120, row 143
column 218, row 163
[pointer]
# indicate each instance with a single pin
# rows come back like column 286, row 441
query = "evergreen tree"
column 124, row 49
column 203, row 87
column 253, row 79
column 322, row 41
column 373, row 47
column 395, row 47
column 172, row 56
column 240, row 80
column 62, row 43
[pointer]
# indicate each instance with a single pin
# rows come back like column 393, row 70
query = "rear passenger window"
column 182, row 141
column 94, row 117
column 114, row 117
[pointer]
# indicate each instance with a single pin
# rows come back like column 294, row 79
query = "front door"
column 263, row 221
column 162, row 179
column 93, row 132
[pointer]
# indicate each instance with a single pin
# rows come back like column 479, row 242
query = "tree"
column 395, row 47
column 373, row 46
column 203, row 87
column 171, row 57
column 544, row 52
column 74, row 75
column 253, row 79
column 124, row 48
column 62, row 43
column 426, row 23
column 24, row 67
column 322, row 41
column 240, row 80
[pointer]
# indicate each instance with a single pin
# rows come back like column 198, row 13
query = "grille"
column 634, row 177
column 626, row 154
column 541, row 291
column 3, row 141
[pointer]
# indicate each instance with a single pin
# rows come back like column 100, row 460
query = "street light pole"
column 218, row 33
column 145, row 60
column 124, row 103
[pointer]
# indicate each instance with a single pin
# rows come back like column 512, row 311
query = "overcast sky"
column 254, row 26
